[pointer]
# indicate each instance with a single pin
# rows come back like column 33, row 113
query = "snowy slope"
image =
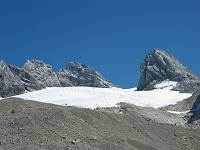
column 90, row 97
column 166, row 85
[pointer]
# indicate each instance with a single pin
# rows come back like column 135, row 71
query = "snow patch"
column 178, row 112
column 90, row 97
column 166, row 85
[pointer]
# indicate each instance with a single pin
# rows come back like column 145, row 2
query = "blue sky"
column 110, row 35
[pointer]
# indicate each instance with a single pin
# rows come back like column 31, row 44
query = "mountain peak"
column 75, row 65
column 32, row 64
column 36, row 75
column 77, row 74
column 159, row 65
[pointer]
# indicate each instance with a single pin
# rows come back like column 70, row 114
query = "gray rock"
column 194, row 116
column 133, row 130
column 188, row 87
column 36, row 75
column 42, row 72
column 159, row 65
column 77, row 74
column 196, row 104
column 10, row 84
column 27, row 79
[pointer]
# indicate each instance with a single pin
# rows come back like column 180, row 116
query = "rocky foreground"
column 29, row 125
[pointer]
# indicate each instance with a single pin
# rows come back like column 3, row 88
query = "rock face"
column 77, row 74
column 159, row 65
column 42, row 72
column 194, row 115
column 36, row 75
column 196, row 105
column 10, row 83
column 30, row 83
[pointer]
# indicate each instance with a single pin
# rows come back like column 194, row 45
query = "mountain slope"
column 36, row 75
column 159, row 65
column 76, row 74
column 42, row 73
column 28, row 125
column 10, row 83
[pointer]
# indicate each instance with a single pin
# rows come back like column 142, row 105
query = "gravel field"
column 29, row 125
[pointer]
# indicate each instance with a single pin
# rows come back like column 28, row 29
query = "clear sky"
column 110, row 35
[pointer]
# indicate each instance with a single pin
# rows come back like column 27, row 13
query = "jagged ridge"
column 36, row 75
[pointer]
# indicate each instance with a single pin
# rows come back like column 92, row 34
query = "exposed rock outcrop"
column 42, row 72
column 10, row 83
column 36, row 75
column 196, row 104
column 159, row 65
column 77, row 74
column 29, row 81
column 193, row 116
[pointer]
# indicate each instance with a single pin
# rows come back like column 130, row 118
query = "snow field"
column 90, row 97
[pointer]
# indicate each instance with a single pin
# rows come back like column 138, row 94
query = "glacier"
column 91, row 97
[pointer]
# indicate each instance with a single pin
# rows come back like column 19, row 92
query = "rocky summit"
column 36, row 75
column 76, row 74
column 42, row 72
column 159, row 65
